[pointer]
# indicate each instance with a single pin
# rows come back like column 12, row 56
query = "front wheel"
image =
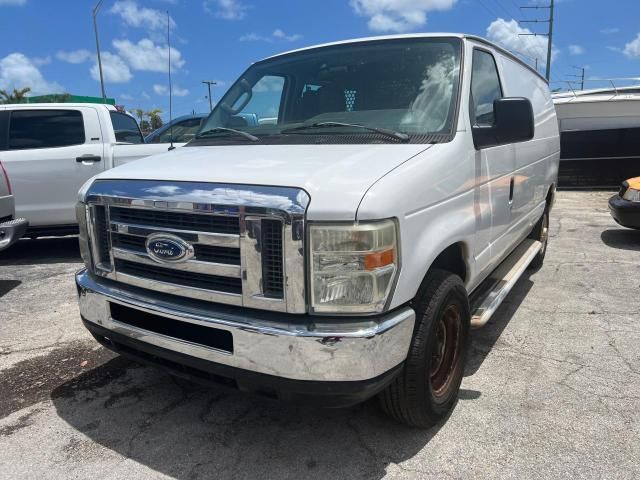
column 427, row 388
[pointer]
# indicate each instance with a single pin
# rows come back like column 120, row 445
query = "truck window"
column 126, row 128
column 182, row 131
column 45, row 129
column 485, row 87
column 408, row 86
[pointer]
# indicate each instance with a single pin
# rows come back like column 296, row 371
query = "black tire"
column 426, row 389
column 541, row 233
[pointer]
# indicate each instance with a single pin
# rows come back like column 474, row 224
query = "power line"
column 549, row 33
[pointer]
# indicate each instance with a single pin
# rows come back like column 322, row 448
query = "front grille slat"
column 177, row 277
column 204, row 253
column 272, row 267
column 185, row 221
column 102, row 235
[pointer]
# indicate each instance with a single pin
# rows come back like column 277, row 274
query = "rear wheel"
column 427, row 387
column 541, row 233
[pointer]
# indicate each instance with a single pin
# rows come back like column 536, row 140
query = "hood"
column 335, row 176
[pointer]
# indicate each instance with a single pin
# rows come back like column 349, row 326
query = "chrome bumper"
column 11, row 231
column 296, row 347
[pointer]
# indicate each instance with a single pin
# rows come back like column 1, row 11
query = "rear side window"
column 182, row 132
column 45, row 129
column 126, row 128
column 485, row 87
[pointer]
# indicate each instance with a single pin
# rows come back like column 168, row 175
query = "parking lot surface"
column 552, row 387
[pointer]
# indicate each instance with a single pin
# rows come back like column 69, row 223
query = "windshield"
column 329, row 94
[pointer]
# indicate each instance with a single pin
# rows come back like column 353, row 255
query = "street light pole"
column 208, row 83
column 95, row 28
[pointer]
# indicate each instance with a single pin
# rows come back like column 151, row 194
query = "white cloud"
column 19, row 71
column 141, row 17
column 13, row 2
column 632, row 49
column 226, row 9
column 74, row 56
column 576, row 50
column 164, row 90
column 39, row 61
column 114, row 69
column 147, row 56
column 610, row 30
column 278, row 34
column 509, row 35
column 398, row 15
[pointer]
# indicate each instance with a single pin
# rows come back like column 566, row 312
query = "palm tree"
column 154, row 118
column 18, row 96
column 139, row 113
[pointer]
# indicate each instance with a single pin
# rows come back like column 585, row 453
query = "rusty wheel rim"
column 445, row 351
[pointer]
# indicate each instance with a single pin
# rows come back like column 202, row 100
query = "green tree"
column 154, row 118
column 140, row 114
column 17, row 96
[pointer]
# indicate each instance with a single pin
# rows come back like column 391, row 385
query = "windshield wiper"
column 211, row 131
column 382, row 131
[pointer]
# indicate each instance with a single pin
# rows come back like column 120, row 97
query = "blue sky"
column 52, row 48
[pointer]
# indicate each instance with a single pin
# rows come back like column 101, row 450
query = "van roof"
column 415, row 35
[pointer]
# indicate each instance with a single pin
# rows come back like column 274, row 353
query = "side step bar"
column 501, row 281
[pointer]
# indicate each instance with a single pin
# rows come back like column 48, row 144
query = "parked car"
column 50, row 150
column 342, row 248
column 625, row 206
column 11, row 228
column 184, row 129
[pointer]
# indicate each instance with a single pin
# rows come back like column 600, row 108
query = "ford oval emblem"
column 166, row 248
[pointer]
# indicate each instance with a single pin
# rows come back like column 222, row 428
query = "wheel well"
column 551, row 197
column 452, row 260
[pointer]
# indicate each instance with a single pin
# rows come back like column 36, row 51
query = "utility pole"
column 549, row 34
column 581, row 77
column 95, row 29
column 208, row 83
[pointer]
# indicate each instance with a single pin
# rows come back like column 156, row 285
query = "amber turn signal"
column 379, row 259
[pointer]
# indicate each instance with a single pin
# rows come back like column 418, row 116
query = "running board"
column 501, row 281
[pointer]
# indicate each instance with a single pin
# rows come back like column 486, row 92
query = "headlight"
column 632, row 195
column 83, row 236
column 352, row 266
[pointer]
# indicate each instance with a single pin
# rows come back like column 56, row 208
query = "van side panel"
column 536, row 161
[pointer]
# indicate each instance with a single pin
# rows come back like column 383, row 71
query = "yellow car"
column 625, row 206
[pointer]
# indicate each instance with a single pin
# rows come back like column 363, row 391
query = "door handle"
column 511, row 186
column 88, row 158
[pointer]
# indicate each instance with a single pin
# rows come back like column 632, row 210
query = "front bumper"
column 624, row 212
column 11, row 231
column 288, row 354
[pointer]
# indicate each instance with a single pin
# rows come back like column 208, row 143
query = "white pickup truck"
column 49, row 150
column 386, row 200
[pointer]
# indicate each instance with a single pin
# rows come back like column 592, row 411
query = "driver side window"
column 264, row 105
column 485, row 88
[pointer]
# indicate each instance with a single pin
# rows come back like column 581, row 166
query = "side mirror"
column 513, row 123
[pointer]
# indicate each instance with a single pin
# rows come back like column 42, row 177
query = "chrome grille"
column 238, row 240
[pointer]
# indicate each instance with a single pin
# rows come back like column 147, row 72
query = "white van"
column 388, row 196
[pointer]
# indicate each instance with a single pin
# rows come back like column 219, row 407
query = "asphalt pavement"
column 551, row 390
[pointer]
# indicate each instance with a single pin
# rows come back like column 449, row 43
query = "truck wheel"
column 541, row 233
column 427, row 387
